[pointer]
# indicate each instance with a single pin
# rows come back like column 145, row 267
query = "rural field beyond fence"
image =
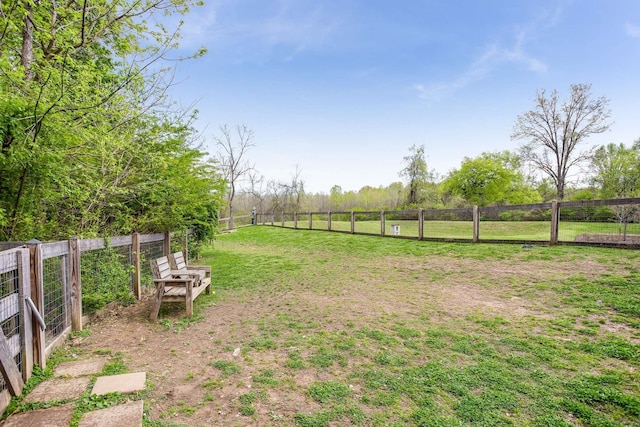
column 614, row 222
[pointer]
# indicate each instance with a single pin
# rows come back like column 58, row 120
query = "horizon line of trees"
column 491, row 179
column 553, row 151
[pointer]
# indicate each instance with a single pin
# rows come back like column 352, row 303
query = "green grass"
column 372, row 315
column 489, row 230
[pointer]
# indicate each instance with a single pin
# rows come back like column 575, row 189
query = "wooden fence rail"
column 41, row 294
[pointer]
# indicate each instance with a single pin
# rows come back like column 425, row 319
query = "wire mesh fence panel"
column 106, row 277
column 277, row 219
column 223, row 224
column 149, row 251
column 10, row 313
column 226, row 224
column 57, row 296
column 341, row 221
column 303, row 221
column 608, row 224
column 319, row 221
column 367, row 222
column 267, row 219
column 448, row 223
column 402, row 223
column 287, row 220
column 522, row 223
column 242, row 220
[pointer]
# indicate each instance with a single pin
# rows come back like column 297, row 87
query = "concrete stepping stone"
column 79, row 368
column 58, row 416
column 124, row 383
column 125, row 415
column 58, row 388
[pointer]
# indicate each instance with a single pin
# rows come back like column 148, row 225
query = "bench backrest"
column 160, row 268
column 178, row 258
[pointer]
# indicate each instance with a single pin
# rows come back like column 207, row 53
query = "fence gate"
column 16, row 352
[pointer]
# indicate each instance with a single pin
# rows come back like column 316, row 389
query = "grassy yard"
column 356, row 330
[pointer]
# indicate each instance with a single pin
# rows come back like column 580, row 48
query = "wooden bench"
column 177, row 262
column 177, row 285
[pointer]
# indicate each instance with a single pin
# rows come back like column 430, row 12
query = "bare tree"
column 553, row 132
column 256, row 190
column 234, row 144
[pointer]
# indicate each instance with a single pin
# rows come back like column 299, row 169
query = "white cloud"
column 492, row 57
column 633, row 30
column 495, row 55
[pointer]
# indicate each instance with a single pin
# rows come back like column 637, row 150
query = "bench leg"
column 207, row 290
column 158, row 300
column 189, row 299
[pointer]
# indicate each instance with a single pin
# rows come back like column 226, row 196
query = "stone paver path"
column 70, row 382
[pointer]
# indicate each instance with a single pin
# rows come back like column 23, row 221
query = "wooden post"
column 76, row 284
column 282, row 219
column 37, row 296
column 353, row 222
column 382, row 222
column 167, row 243
column 295, row 220
column 26, row 327
column 476, row 224
column 329, row 221
column 310, row 220
column 185, row 246
column 555, row 220
column 420, row 224
column 135, row 253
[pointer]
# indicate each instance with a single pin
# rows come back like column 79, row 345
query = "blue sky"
column 343, row 88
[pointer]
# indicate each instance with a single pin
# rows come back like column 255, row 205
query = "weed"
column 266, row 378
column 327, row 391
column 325, row 358
column 228, row 368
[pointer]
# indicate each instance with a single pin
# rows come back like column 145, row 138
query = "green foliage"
column 492, row 178
column 90, row 145
column 106, row 277
column 617, row 170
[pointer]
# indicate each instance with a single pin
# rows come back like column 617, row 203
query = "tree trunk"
column 26, row 55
